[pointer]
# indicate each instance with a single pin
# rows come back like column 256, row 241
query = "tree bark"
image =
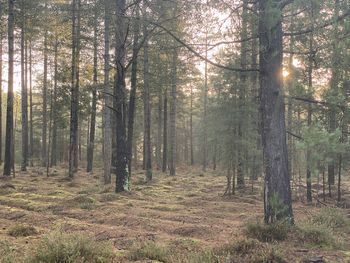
column 90, row 149
column 44, row 109
column 73, row 144
column 277, row 178
column 31, row 130
column 121, row 158
column 172, row 151
column 1, row 52
column 9, row 115
column 54, row 147
column 107, row 142
column 132, row 99
column 165, row 132
column 146, row 100
column 24, row 94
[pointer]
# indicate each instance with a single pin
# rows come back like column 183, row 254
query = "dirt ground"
column 169, row 211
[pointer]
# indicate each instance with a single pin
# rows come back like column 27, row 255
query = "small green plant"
column 315, row 235
column 267, row 232
column 6, row 253
column 71, row 248
column 22, row 231
column 150, row 251
column 331, row 217
column 279, row 211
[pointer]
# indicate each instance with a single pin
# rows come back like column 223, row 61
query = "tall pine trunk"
column 24, row 94
column 146, row 100
column 121, row 158
column 165, row 133
column 90, row 149
column 107, row 142
column 9, row 114
column 54, row 145
column 44, row 109
column 173, row 95
column 132, row 99
column 73, row 145
column 277, row 178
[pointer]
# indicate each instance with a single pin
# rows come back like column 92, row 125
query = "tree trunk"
column 159, row 132
column 191, row 127
column 54, row 147
column 146, row 101
column 241, row 99
column 31, row 130
column 44, row 109
column 9, row 115
column 172, row 156
column 24, row 95
column 107, row 142
column 132, row 99
column 205, row 133
column 277, row 179
column 90, row 149
column 165, row 133
column 121, row 158
column 73, row 145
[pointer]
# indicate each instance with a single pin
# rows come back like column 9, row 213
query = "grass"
column 149, row 251
column 6, row 253
column 71, row 248
column 267, row 232
column 22, row 231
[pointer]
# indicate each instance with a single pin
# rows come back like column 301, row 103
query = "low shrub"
column 315, row 235
column 22, row 231
column 331, row 217
column 149, row 251
column 71, row 248
column 267, row 232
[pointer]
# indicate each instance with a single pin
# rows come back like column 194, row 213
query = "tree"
column 9, row 154
column 277, row 179
column 73, row 145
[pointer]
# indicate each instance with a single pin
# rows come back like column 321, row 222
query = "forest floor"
column 186, row 213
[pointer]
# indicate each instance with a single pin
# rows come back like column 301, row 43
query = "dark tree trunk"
column 132, row 99
column 24, row 94
column 241, row 98
column 44, row 109
column 121, row 158
column 31, row 130
column 9, row 115
column 54, row 145
column 277, row 179
column 73, row 144
column 107, row 142
column 159, row 132
column 172, row 141
column 191, row 127
column 146, row 101
column 165, row 133
column 90, row 149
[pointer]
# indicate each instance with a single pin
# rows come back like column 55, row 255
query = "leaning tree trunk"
column 9, row 115
column 121, row 158
column 90, row 149
column 277, row 179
